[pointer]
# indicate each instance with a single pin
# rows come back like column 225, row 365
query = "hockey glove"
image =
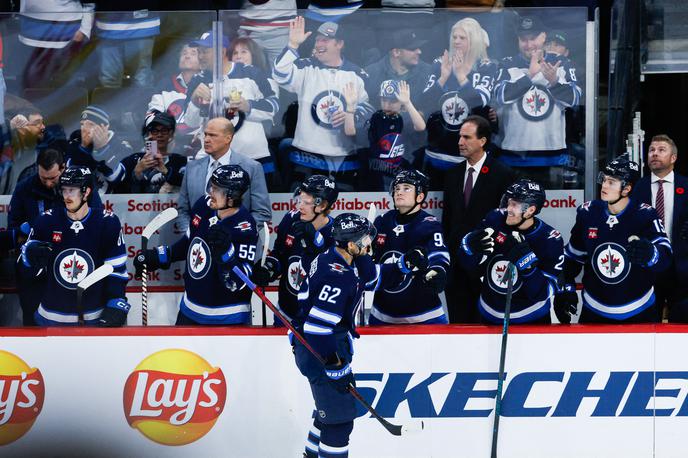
column 114, row 314
column 312, row 240
column 566, row 304
column 36, row 254
column 340, row 374
column 219, row 240
column 478, row 242
column 264, row 275
column 154, row 259
column 413, row 260
column 519, row 253
column 641, row 252
column 436, row 279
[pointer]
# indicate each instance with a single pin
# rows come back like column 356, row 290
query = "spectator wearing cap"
column 459, row 85
column 156, row 168
column 402, row 63
column 97, row 147
column 533, row 90
column 320, row 144
column 557, row 43
column 248, row 101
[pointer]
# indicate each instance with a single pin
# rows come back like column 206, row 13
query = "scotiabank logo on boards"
column 22, row 392
column 174, row 397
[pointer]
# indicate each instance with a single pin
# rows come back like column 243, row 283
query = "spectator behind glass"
column 27, row 131
column 460, row 85
column 267, row 23
column 172, row 96
column 534, row 88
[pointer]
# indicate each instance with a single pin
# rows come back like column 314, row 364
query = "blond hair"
column 478, row 40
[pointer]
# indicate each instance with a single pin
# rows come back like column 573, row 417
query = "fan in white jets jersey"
column 222, row 234
column 408, row 229
column 622, row 246
column 514, row 234
column 66, row 245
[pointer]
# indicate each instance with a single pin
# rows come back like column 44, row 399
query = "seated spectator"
column 320, row 144
column 27, row 131
column 156, row 168
column 460, row 85
column 95, row 146
column 248, row 52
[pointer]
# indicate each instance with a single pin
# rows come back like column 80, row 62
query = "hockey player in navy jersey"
column 416, row 299
column 513, row 234
column 621, row 245
column 222, row 234
column 329, row 298
column 66, row 245
column 301, row 235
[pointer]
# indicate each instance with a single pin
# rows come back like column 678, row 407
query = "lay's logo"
column 22, row 392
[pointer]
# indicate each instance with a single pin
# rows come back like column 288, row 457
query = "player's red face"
column 405, row 197
column 306, row 206
column 529, row 43
column 72, row 198
column 242, row 54
column 661, row 157
column 611, row 189
column 515, row 212
column 218, row 198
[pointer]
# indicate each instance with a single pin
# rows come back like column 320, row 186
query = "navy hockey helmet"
column 350, row 227
column 412, row 177
column 158, row 118
column 622, row 168
column 321, row 188
column 77, row 177
column 525, row 191
column 233, row 179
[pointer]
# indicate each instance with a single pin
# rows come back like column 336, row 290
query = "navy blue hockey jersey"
column 410, row 301
column 612, row 286
column 392, row 141
column 213, row 294
column 532, row 292
column 80, row 247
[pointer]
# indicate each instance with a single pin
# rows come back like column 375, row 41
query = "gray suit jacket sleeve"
column 259, row 202
column 183, row 205
column 193, row 187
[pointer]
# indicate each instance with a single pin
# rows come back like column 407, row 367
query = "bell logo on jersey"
column 174, row 397
column 22, row 392
column 71, row 266
column 610, row 264
column 198, row 258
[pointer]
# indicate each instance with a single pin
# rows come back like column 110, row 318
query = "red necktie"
column 659, row 201
column 468, row 187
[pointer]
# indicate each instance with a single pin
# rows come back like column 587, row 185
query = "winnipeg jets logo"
column 454, row 110
column 324, row 106
column 76, row 226
column 295, row 274
column 392, row 257
column 212, row 221
column 198, row 258
column 536, row 104
column 496, row 275
column 398, row 230
column 71, row 266
column 610, row 264
column 611, row 221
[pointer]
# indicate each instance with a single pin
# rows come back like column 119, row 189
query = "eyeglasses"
column 163, row 131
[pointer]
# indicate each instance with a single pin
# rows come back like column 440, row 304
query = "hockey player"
column 416, row 299
column 222, row 234
column 513, row 234
column 622, row 246
column 329, row 298
column 66, row 245
column 301, row 235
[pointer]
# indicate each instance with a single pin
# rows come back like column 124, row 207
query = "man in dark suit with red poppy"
column 470, row 191
column 666, row 191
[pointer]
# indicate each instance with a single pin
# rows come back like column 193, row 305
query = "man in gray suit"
column 217, row 138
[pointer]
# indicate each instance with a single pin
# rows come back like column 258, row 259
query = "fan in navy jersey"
column 621, row 245
column 222, row 234
column 329, row 298
column 416, row 299
column 514, row 234
column 301, row 235
column 66, row 245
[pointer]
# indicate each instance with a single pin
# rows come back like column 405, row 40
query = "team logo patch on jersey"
column 71, row 266
column 392, row 257
column 554, row 234
column 380, row 239
column 198, row 258
column 243, row 226
column 196, row 221
column 390, row 148
column 57, row 236
column 454, row 110
column 536, row 104
column 496, row 275
column 610, row 264
column 295, row 274
column 324, row 106
column 592, row 232
column 336, row 267
column 289, row 241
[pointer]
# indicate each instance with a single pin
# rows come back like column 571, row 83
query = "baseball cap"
column 389, row 89
column 406, row 39
column 559, row 36
column 329, row 29
column 529, row 25
column 206, row 41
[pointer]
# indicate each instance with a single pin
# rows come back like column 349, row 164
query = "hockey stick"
column 369, row 296
column 92, row 278
column 397, row 430
column 266, row 245
column 502, row 356
column 156, row 223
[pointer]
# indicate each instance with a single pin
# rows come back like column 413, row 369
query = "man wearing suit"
column 666, row 191
column 217, row 138
column 470, row 191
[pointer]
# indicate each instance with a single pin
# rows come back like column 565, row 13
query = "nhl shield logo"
column 496, row 275
column 610, row 264
column 198, row 258
column 71, row 266
column 324, row 106
column 536, row 104
column 454, row 110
